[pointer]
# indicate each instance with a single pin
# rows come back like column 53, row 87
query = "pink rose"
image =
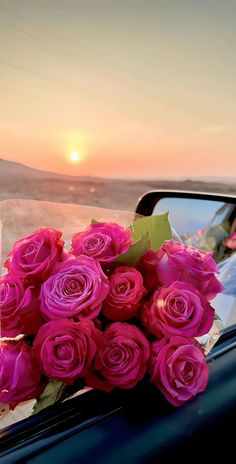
column 19, row 307
column 175, row 261
column 65, row 349
column 19, row 373
column 230, row 242
column 178, row 369
column 103, row 242
column 76, row 290
column 122, row 359
column 201, row 232
column 34, row 257
column 179, row 309
column 147, row 267
column 125, row 294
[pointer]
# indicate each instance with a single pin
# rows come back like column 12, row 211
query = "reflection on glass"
column 208, row 225
column 202, row 223
column 188, row 216
column 225, row 303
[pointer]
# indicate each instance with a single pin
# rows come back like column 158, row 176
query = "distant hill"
column 16, row 170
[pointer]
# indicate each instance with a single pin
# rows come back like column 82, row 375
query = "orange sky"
column 138, row 87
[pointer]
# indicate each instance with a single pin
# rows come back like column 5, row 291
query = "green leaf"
column 147, row 232
column 53, row 391
column 159, row 230
column 94, row 221
column 134, row 253
column 156, row 228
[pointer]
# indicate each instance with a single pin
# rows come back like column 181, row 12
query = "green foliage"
column 147, row 232
column 52, row 393
column 94, row 221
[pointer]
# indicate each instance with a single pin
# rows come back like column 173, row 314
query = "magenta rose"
column 175, row 261
column 230, row 242
column 20, row 375
column 147, row 267
column 77, row 290
column 34, row 257
column 65, row 349
column 19, row 307
column 178, row 369
column 102, row 241
column 125, row 294
column 122, row 359
column 179, row 309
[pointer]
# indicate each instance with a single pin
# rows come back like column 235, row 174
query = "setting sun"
column 75, row 156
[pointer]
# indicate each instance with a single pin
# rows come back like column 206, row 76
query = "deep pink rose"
column 19, row 307
column 125, row 294
column 76, row 290
column 147, row 267
column 175, row 261
column 34, row 257
column 230, row 242
column 122, row 359
column 178, row 369
column 103, row 242
column 65, row 349
column 19, row 373
column 179, row 309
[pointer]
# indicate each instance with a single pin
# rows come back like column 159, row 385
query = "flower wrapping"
column 102, row 296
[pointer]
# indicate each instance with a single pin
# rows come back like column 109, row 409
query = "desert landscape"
column 19, row 181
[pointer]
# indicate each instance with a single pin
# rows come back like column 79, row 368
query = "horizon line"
column 163, row 177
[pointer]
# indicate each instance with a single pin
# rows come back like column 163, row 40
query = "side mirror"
column 206, row 221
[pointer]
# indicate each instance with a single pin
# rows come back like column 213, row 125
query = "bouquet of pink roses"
column 115, row 306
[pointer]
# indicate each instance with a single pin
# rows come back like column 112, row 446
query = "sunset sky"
column 134, row 88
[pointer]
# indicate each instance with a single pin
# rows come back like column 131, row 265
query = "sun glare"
column 75, row 156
